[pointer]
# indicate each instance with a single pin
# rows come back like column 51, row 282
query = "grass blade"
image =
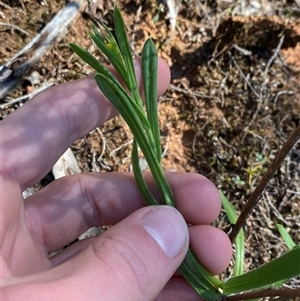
column 240, row 238
column 116, row 94
column 149, row 70
column 285, row 267
column 87, row 57
column 108, row 45
column 143, row 187
column 286, row 237
column 202, row 281
column 126, row 54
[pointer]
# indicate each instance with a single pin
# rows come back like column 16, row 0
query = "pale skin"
column 125, row 262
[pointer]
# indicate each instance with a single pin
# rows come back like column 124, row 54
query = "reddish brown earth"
column 212, row 121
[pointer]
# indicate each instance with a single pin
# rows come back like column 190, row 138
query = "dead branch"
column 270, row 62
column 33, row 51
column 242, row 74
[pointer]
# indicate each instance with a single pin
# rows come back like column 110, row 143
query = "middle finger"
column 66, row 208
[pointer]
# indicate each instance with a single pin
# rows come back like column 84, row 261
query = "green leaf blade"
column 240, row 238
column 143, row 187
column 88, row 58
column 134, row 117
column 127, row 56
column 285, row 267
column 286, row 237
column 117, row 95
column 149, row 71
column 201, row 280
column 111, row 50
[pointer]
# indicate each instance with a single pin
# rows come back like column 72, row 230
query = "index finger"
column 37, row 134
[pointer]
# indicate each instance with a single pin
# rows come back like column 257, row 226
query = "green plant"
column 271, row 274
column 145, row 128
column 256, row 168
column 240, row 239
column 286, row 237
column 143, row 124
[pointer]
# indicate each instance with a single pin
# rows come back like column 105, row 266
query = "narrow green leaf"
column 285, row 267
column 149, row 70
column 143, row 187
column 202, row 281
column 126, row 54
column 94, row 63
column 117, row 95
column 290, row 244
column 286, row 237
column 228, row 207
column 111, row 50
column 240, row 238
column 88, row 58
column 128, row 110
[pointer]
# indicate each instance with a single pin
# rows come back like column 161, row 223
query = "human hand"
column 123, row 263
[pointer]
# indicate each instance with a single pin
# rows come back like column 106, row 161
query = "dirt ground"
column 231, row 104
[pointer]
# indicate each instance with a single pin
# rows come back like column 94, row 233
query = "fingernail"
column 167, row 226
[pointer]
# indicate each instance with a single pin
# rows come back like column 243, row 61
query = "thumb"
column 132, row 261
column 137, row 257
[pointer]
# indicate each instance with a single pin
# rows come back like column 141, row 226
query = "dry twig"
column 5, row 5
column 270, row 62
column 242, row 74
column 263, row 86
column 15, row 27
